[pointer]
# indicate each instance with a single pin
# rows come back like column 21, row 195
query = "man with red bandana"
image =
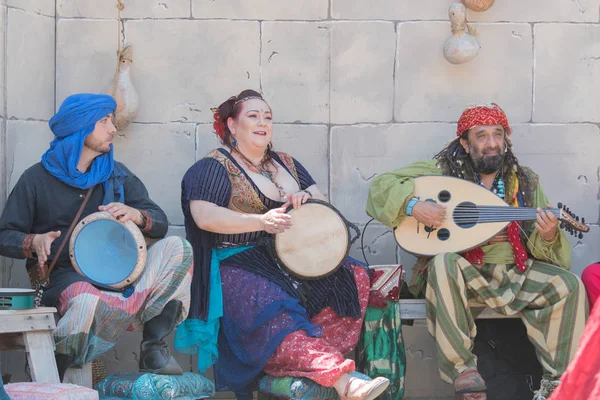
column 522, row 270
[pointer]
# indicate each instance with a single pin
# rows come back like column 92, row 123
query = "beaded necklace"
column 258, row 169
column 497, row 186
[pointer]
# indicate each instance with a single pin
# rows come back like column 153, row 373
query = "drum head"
column 317, row 242
column 106, row 251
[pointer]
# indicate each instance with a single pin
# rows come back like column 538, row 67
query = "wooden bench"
column 415, row 309
column 31, row 331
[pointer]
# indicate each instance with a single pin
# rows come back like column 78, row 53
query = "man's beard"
column 487, row 164
column 95, row 146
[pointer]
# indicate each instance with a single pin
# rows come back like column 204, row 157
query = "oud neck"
column 508, row 214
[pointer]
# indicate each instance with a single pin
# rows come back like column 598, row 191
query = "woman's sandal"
column 360, row 389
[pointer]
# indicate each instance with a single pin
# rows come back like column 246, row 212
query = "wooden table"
column 31, row 331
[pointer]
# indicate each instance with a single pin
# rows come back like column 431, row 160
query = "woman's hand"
column 276, row 220
column 123, row 212
column 296, row 199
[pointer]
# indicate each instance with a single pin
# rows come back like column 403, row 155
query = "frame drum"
column 109, row 253
column 316, row 244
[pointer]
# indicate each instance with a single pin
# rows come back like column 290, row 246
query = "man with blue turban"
column 39, row 212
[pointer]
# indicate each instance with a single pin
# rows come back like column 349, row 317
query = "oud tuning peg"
column 580, row 235
column 560, row 205
column 562, row 225
column 582, row 220
column 576, row 218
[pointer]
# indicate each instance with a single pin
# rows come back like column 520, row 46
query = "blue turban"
column 76, row 119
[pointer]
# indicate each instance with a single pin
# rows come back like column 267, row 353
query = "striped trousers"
column 550, row 301
column 93, row 320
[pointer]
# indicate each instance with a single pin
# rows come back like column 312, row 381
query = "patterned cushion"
column 137, row 385
column 299, row 388
column 50, row 391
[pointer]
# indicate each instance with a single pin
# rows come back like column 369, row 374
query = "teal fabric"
column 294, row 388
column 3, row 394
column 141, row 386
column 195, row 336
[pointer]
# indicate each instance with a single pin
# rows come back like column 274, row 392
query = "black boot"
column 155, row 356
column 63, row 361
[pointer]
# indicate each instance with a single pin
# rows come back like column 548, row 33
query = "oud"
column 473, row 216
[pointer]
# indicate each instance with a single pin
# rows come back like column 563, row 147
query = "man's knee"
column 443, row 263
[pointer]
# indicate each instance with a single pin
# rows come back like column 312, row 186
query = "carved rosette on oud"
column 123, row 91
column 462, row 45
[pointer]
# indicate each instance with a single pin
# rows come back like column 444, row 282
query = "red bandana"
column 482, row 115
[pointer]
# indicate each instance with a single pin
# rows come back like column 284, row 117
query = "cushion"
column 139, row 385
column 299, row 388
column 50, row 391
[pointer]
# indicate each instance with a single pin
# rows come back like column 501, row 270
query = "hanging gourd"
column 462, row 45
column 122, row 88
column 478, row 5
column 124, row 92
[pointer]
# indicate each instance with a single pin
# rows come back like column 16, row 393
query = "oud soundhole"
column 443, row 234
column 444, row 196
column 466, row 215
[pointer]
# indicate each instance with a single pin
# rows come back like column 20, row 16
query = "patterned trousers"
column 322, row 359
column 93, row 319
column 550, row 300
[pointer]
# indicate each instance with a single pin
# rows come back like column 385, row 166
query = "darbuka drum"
column 109, row 253
column 17, row 299
column 317, row 242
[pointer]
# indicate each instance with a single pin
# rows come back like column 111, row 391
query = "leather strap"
column 71, row 228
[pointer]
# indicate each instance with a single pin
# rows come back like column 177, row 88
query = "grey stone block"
column 206, row 140
column 159, row 154
column 362, row 71
column 540, row 11
column 309, row 145
column 428, row 88
column 565, row 157
column 26, row 141
column 182, row 68
column 379, row 245
column 30, row 65
column 85, row 56
column 260, row 9
column 586, row 251
column 3, row 25
column 389, row 9
column 422, row 375
column 363, row 151
column 44, row 7
column 567, row 73
column 295, row 70
column 133, row 9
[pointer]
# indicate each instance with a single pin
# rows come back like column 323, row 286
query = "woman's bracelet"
column 307, row 191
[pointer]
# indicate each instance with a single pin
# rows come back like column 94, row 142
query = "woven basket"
column 98, row 371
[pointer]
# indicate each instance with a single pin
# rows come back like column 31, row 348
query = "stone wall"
column 357, row 87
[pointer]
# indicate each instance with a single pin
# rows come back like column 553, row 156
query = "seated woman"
column 271, row 322
column 591, row 281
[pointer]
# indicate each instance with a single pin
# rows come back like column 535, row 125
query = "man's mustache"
column 495, row 149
